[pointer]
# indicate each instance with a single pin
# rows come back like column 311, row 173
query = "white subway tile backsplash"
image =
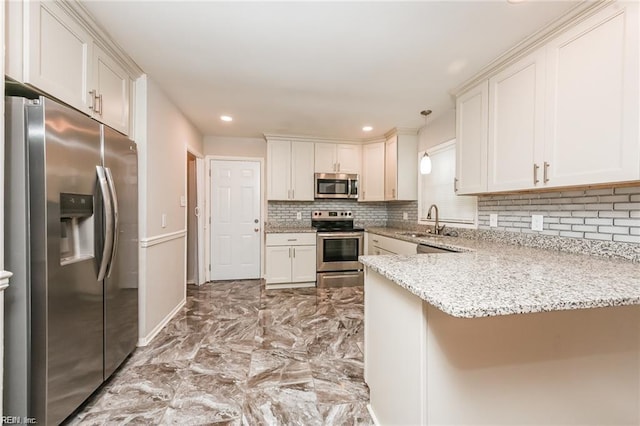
column 626, row 238
column 595, row 214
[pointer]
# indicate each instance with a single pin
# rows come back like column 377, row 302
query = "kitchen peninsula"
column 502, row 334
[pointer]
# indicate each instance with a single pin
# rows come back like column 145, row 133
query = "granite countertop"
column 489, row 278
column 286, row 228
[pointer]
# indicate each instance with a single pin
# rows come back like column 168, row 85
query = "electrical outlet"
column 405, row 216
column 493, row 220
column 536, row 222
column 299, row 215
column 163, row 220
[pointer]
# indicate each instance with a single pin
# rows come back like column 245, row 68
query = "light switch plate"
column 536, row 222
column 299, row 215
column 405, row 216
column 493, row 220
column 183, row 201
column 163, row 220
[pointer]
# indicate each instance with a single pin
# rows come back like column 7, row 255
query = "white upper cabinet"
column 63, row 60
column 592, row 100
column 278, row 170
column 564, row 115
column 516, row 125
column 289, row 171
column 58, row 54
column 337, row 158
column 401, row 167
column 348, row 157
column 391, row 168
column 471, row 136
column 111, row 91
column 372, row 178
column 302, row 179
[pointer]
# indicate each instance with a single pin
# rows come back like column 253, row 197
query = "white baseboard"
column 289, row 285
column 144, row 341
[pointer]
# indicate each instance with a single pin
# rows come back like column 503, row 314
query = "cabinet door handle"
column 393, row 193
column 100, row 104
column 289, row 252
column 338, row 166
column 376, row 241
column 94, row 98
column 535, row 174
column 293, row 194
column 294, row 252
column 455, row 184
column 546, row 172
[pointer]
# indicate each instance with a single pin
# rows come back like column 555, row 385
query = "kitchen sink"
column 426, row 248
column 416, row 234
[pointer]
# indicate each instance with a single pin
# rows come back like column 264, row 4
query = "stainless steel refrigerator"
column 71, row 239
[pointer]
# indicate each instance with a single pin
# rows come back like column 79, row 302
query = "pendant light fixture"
column 425, row 161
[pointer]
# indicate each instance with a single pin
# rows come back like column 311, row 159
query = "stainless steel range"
column 338, row 246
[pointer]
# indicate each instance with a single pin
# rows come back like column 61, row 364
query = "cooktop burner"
column 333, row 221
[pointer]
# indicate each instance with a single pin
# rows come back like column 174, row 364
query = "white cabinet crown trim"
column 536, row 40
column 78, row 11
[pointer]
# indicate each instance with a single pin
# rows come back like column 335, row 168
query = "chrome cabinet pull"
column 294, row 252
column 455, row 184
column 94, row 98
column 546, row 172
column 535, row 174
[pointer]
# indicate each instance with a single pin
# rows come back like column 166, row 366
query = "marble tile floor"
column 237, row 354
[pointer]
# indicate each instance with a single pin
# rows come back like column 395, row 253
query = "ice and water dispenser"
column 76, row 228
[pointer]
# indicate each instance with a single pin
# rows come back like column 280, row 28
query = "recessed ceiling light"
column 367, row 128
column 226, row 118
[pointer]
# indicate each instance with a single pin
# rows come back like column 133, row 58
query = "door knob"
column 255, row 221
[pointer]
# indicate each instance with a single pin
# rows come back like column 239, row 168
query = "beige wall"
column 235, row 147
column 441, row 129
column 163, row 135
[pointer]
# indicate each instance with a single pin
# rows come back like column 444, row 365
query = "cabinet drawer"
column 391, row 245
column 291, row 239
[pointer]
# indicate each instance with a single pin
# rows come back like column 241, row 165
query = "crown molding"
column 373, row 139
column 80, row 13
column 536, row 40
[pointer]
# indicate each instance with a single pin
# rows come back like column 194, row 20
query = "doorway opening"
column 195, row 220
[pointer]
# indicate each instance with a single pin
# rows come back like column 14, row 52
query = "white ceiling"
column 316, row 68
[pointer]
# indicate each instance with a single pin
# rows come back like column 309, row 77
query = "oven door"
column 339, row 251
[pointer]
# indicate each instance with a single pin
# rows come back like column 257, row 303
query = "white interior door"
column 201, row 278
column 235, row 219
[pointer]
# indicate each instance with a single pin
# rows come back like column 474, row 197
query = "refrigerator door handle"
column 116, row 218
column 108, row 222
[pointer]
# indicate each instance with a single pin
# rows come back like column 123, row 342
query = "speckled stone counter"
column 282, row 229
column 489, row 279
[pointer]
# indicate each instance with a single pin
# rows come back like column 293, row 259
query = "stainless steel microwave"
column 336, row 185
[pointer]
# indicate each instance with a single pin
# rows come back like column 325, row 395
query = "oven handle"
column 348, row 188
column 335, row 235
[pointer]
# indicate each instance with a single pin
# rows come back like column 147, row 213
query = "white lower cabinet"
column 378, row 245
column 290, row 260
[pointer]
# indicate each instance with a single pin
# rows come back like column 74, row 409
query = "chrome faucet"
column 437, row 230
